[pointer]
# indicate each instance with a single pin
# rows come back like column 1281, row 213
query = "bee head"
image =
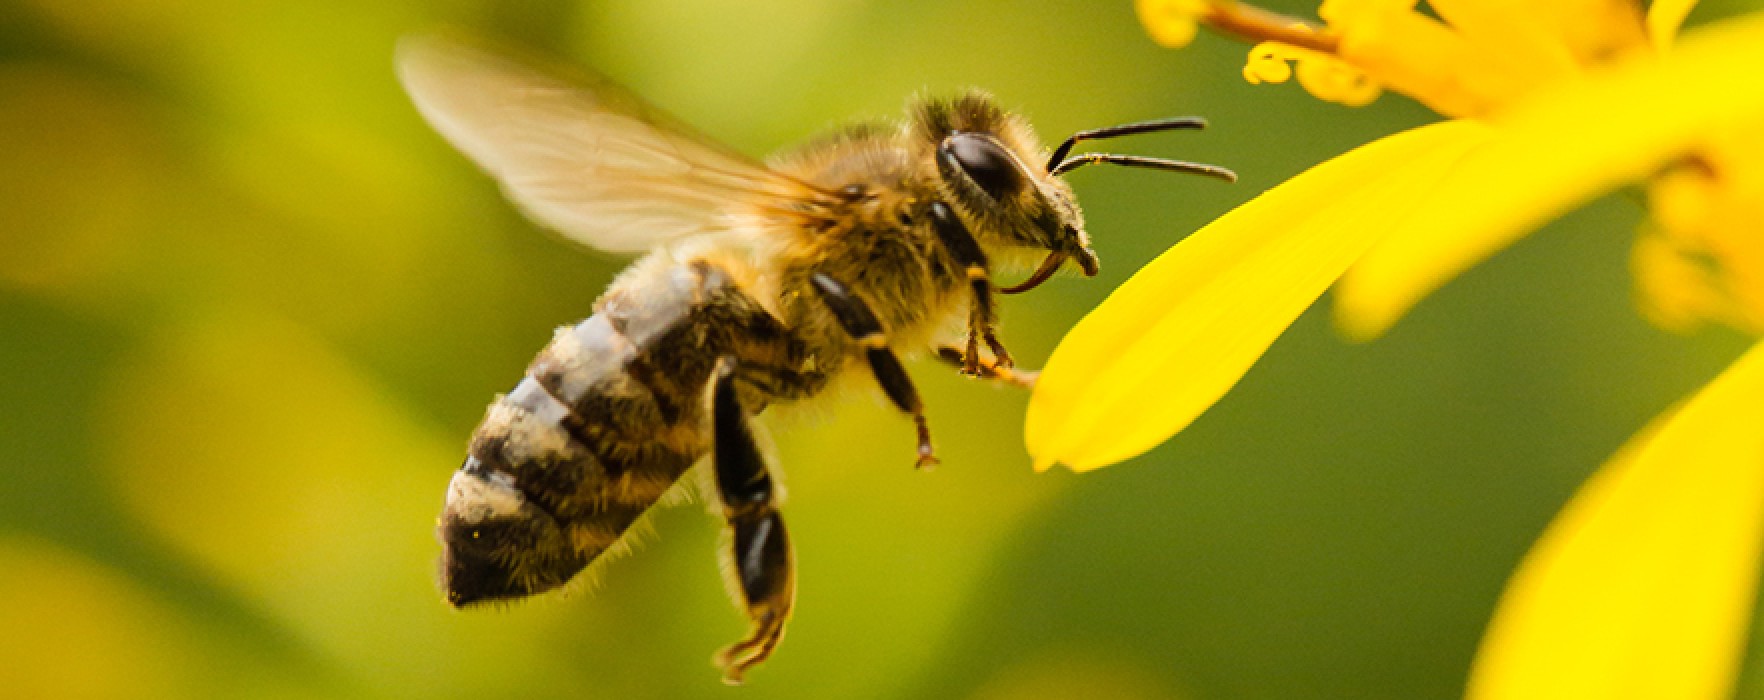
column 498, row 544
column 987, row 161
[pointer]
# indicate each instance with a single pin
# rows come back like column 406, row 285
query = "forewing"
column 580, row 155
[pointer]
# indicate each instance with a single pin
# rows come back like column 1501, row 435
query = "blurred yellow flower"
column 1550, row 104
column 1701, row 257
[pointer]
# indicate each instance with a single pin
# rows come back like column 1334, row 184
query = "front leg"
column 856, row 319
column 763, row 568
column 983, row 316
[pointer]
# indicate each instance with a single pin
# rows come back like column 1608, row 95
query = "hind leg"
column 762, row 568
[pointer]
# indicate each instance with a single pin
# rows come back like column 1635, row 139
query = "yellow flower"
column 1548, row 105
column 1701, row 258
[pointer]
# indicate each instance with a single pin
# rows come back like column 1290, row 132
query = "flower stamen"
column 1254, row 24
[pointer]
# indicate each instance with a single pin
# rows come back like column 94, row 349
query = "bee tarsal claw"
column 971, row 367
column 737, row 658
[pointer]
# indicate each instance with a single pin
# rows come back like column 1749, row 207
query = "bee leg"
column 860, row 323
column 989, row 370
column 984, row 315
column 763, row 568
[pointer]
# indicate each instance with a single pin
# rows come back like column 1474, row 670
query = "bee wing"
column 580, row 155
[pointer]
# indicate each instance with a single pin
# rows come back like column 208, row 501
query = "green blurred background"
column 251, row 307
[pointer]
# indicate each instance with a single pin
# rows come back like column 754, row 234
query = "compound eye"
column 985, row 163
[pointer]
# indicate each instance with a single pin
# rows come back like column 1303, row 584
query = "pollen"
column 1269, row 62
column 1324, row 76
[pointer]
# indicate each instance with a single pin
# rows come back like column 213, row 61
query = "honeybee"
column 761, row 283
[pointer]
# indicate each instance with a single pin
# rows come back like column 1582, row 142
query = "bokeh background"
column 251, row 307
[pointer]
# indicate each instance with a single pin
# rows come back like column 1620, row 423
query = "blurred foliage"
column 251, row 307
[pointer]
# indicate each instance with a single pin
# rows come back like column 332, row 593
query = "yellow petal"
column 1553, row 153
column 1643, row 585
column 1664, row 19
column 1515, row 50
column 1175, row 337
column 1539, row 35
column 1416, row 55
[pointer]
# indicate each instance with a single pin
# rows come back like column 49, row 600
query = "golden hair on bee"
column 760, row 285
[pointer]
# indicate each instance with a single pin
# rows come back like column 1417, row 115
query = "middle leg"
column 860, row 323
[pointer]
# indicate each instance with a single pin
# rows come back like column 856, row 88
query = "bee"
column 760, row 285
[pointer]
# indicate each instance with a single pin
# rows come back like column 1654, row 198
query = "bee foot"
column 971, row 355
column 737, row 658
column 1001, row 357
column 968, row 364
column 926, row 458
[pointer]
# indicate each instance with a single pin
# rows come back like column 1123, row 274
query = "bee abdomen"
column 609, row 416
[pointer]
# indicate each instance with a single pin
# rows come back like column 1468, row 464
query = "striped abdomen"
column 610, row 414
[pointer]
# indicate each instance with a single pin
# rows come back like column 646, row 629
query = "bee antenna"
column 1059, row 154
column 1181, row 166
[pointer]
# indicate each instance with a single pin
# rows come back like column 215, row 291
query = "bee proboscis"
column 760, row 284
